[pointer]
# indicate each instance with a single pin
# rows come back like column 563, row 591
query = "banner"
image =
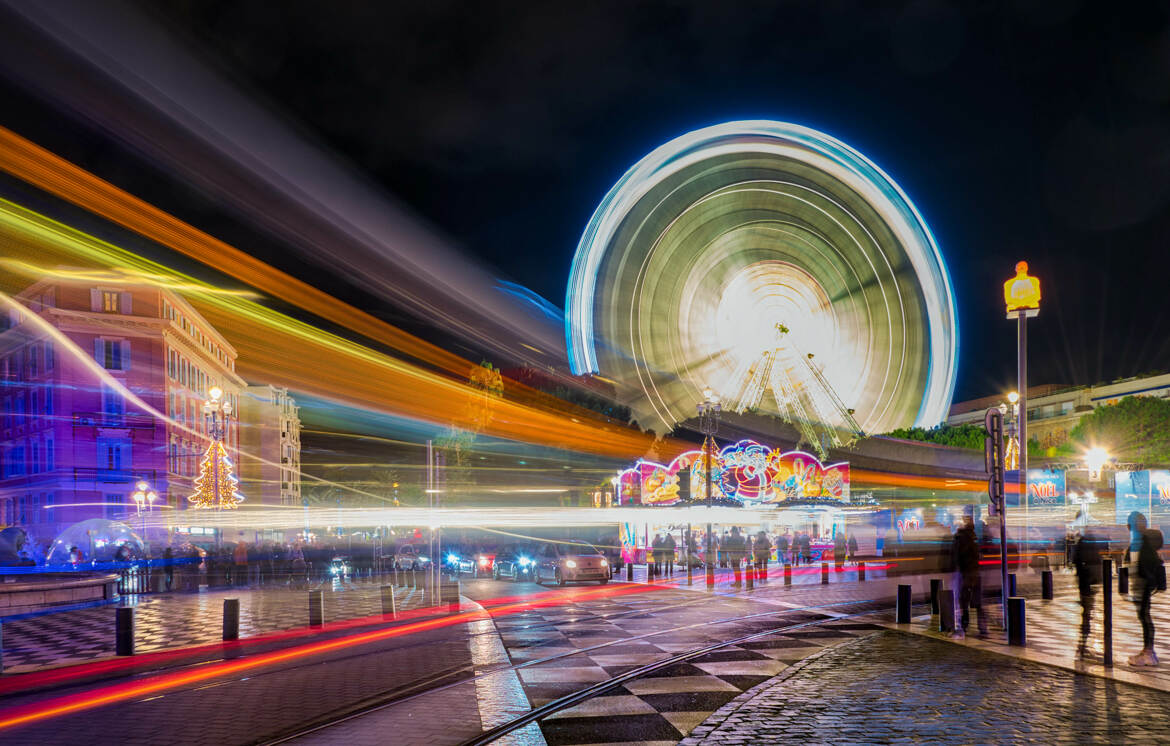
column 1045, row 489
column 1131, row 492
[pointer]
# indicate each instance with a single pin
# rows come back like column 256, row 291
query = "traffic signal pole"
column 993, row 461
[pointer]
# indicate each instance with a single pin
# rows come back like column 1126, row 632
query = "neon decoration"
column 747, row 471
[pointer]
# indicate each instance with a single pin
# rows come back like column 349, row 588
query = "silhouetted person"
column 965, row 551
column 656, row 553
column 668, row 547
column 169, row 567
column 805, row 547
column 852, row 548
column 839, row 549
column 1086, row 558
column 761, row 551
column 1148, row 580
column 782, row 548
column 735, row 549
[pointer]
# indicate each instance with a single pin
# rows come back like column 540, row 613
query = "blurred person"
column 734, row 551
column 839, row 549
column 692, row 547
column 782, row 548
column 965, row 553
column 806, row 547
column 852, row 546
column 656, row 553
column 169, row 567
column 762, row 550
column 1086, row 558
column 668, row 547
column 240, row 562
column 722, row 545
column 1149, row 578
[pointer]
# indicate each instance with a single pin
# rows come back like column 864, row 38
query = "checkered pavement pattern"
column 177, row 620
column 665, row 705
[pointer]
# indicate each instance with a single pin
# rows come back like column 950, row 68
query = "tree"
column 1136, row 429
column 215, row 487
column 957, row 436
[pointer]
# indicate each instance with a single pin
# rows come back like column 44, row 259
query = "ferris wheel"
column 776, row 265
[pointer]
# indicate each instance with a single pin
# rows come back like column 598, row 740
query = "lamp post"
column 1021, row 296
column 215, row 405
column 143, row 495
column 709, row 410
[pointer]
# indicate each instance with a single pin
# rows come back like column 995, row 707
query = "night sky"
column 1022, row 130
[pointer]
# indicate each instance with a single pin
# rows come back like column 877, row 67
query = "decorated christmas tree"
column 215, row 487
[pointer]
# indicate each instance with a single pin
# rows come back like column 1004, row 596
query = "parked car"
column 515, row 563
column 475, row 563
column 570, row 561
column 340, row 567
column 412, row 557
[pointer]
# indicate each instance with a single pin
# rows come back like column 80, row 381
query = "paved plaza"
column 892, row 687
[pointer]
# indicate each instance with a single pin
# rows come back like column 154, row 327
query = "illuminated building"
column 776, row 265
column 73, row 447
column 1055, row 409
column 270, row 425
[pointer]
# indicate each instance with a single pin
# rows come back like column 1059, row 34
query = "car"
column 339, row 567
column 474, row 563
column 515, row 563
column 411, row 557
column 570, row 561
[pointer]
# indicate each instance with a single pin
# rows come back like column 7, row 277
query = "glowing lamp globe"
column 1022, row 292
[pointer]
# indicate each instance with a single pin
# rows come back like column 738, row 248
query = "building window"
column 36, row 458
column 48, row 400
column 111, row 301
column 50, row 356
column 112, row 354
column 16, row 462
column 50, row 457
column 32, row 361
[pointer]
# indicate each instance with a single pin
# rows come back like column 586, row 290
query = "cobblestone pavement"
column 898, row 688
column 176, row 620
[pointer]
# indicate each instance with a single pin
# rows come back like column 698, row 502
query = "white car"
column 412, row 557
column 570, row 561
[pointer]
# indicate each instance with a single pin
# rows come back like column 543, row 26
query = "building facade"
column 270, row 425
column 1054, row 410
column 103, row 385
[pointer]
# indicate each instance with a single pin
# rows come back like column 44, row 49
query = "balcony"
column 132, row 420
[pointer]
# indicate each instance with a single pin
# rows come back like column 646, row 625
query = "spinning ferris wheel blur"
column 775, row 264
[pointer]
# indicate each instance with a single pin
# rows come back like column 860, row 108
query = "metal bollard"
column 1011, row 584
column 861, row 572
column 710, row 576
column 824, row 573
column 630, row 572
column 413, row 578
column 1107, row 617
column 690, row 571
column 787, row 574
column 903, row 614
column 1122, row 580
column 316, row 609
column 389, row 606
column 1017, row 626
column 946, row 610
column 750, row 572
column 1046, row 591
column 935, row 587
column 649, row 572
column 124, row 630
column 231, row 619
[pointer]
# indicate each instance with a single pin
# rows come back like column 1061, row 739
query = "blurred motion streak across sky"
column 107, row 67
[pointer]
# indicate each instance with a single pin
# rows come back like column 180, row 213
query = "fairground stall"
column 784, row 494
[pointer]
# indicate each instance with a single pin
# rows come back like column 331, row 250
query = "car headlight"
column 452, row 558
column 570, row 563
column 525, row 562
column 605, row 563
column 483, row 561
column 425, row 559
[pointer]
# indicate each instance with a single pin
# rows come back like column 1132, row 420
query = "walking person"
column 806, row 547
column 1086, row 558
column 735, row 550
column 762, row 550
column 782, row 548
column 1151, row 576
column 655, row 555
column 668, row 547
column 852, row 548
column 169, row 567
column 839, row 548
column 965, row 551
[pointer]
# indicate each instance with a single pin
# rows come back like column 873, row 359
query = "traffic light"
column 993, row 459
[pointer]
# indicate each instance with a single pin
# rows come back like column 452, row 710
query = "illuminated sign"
column 1045, row 488
column 1159, row 494
column 1022, row 292
column 1131, row 492
column 746, row 471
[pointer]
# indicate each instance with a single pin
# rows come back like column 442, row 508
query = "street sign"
column 993, row 459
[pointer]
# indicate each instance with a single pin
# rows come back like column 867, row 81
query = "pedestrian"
column 852, row 548
column 762, row 549
column 656, row 554
column 734, row 550
column 668, row 547
column 839, row 549
column 782, row 548
column 240, row 559
column 692, row 549
column 1151, row 576
column 1086, row 558
column 965, row 551
column 806, row 547
column 169, row 567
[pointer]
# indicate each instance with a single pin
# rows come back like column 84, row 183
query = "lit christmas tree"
column 215, row 487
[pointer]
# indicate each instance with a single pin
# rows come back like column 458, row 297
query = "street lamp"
column 1021, row 296
column 1095, row 459
column 709, row 411
column 143, row 495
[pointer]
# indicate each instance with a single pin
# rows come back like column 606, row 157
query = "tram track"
column 443, row 682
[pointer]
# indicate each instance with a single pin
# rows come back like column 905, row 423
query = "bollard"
column 1107, row 617
column 935, row 587
column 316, row 609
column 1017, row 627
column 1046, row 585
column 903, row 614
column 124, row 630
column 1011, row 584
column 649, row 572
column 750, row 572
column 710, row 577
column 1122, row 580
column 787, row 574
column 861, row 572
column 946, row 610
column 449, row 594
column 824, row 573
column 690, row 570
column 630, row 572
column 413, row 578
column 389, row 607
column 231, row 619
